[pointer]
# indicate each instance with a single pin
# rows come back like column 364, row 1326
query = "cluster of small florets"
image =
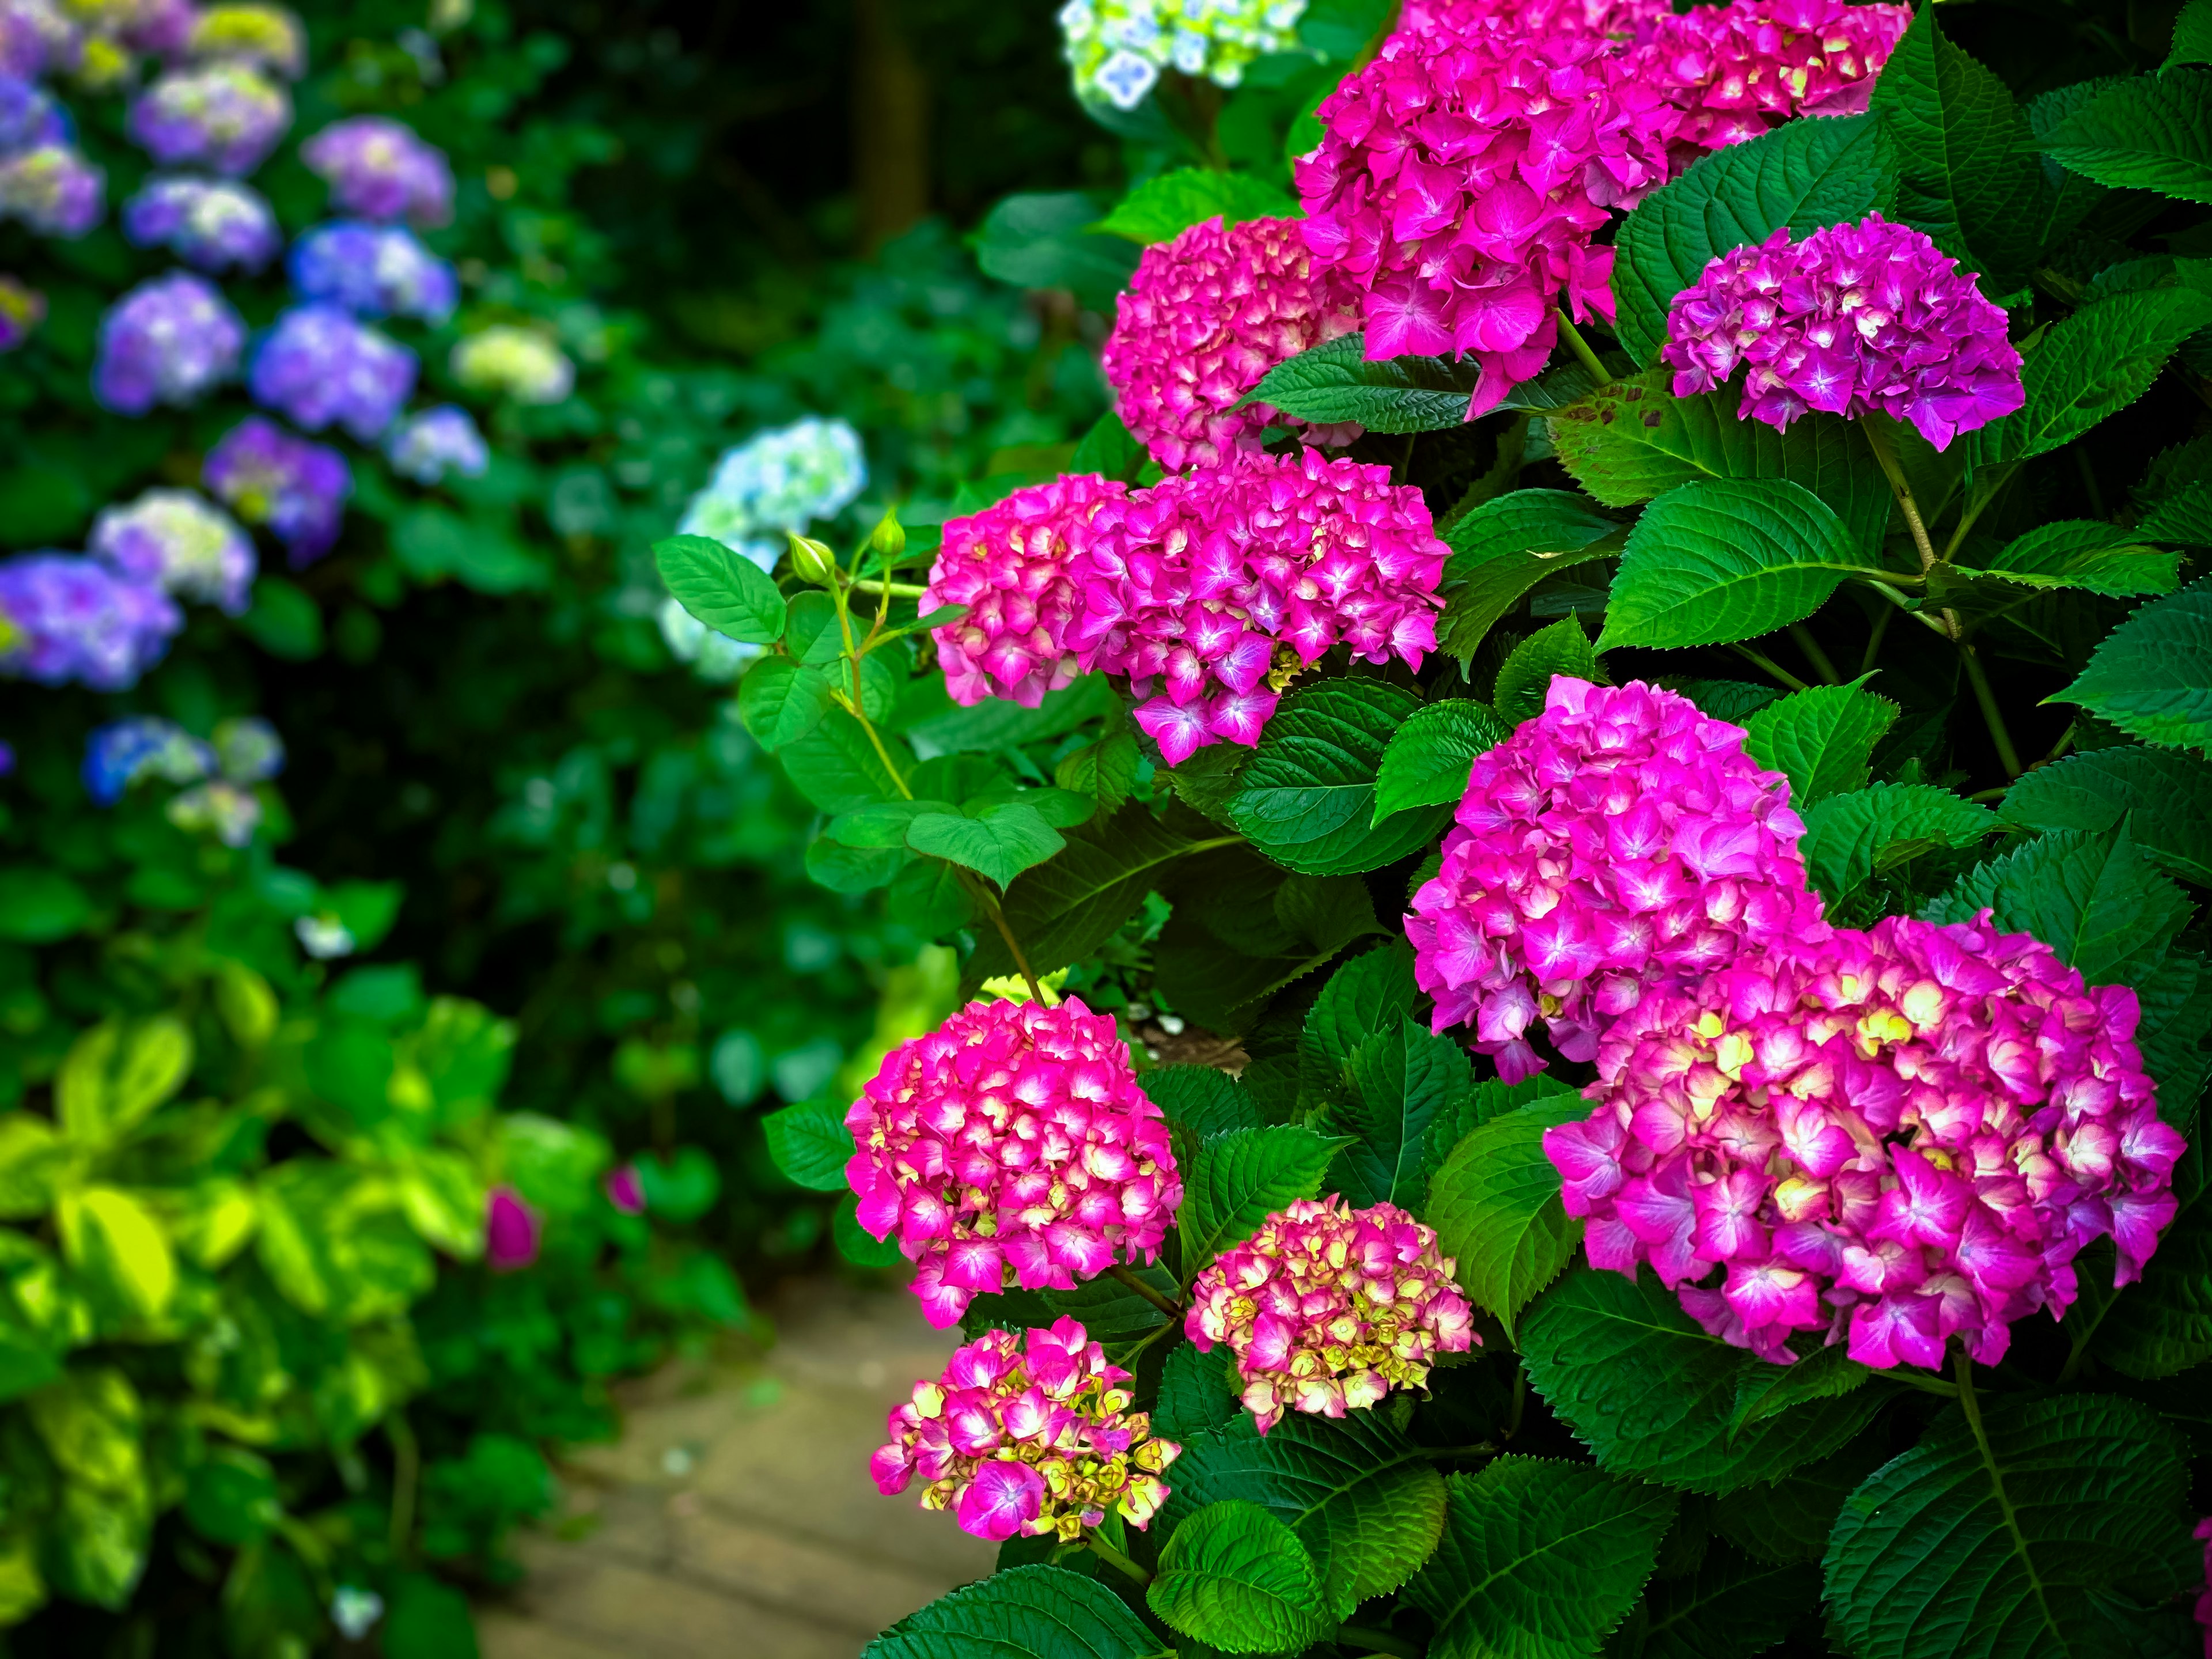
column 1012, row 1140
column 1204, row 317
column 267, row 37
column 777, row 481
column 208, row 223
column 65, row 618
column 377, row 169
column 1028, row 1435
column 296, row 489
column 1871, row 317
column 427, row 447
column 1896, row 1137
column 1461, row 178
column 226, row 116
column 45, row 181
column 22, row 308
column 167, row 341
column 1327, row 1308
column 1618, row 839
column 373, row 270
column 1209, row 590
column 222, row 772
column 507, row 361
column 1012, row 566
column 175, row 540
column 1736, row 71
column 318, row 366
column 1119, row 48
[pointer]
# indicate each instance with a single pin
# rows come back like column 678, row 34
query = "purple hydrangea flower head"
column 139, row 746
column 1735, row 70
column 22, row 308
column 268, row 476
column 1890, row 1137
column 426, row 446
column 29, row 116
column 64, row 618
column 266, row 37
column 1012, row 565
column 1013, row 1140
column 208, row 223
column 521, row 363
column 161, row 27
column 1210, row 591
column 52, row 189
column 175, row 540
column 373, row 270
column 166, row 342
column 378, row 168
column 1616, row 842
column 224, row 116
column 247, row 750
column 1871, row 317
column 318, row 366
column 1204, row 316
column 36, row 38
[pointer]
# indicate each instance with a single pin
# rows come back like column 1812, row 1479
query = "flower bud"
column 813, row 560
column 888, row 537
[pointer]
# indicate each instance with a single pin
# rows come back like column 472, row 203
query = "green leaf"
column 1364, row 1501
column 994, row 723
column 1307, row 798
column 1821, row 739
column 1109, row 450
column 2162, row 1325
column 1540, row 1559
column 837, row 768
column 2093, row 897
column 427, row 1620
column 1196, row 1395
column 34, row 1161
column 1023, row 1612
column 1850, row 838
column 1200, row 1100
column 1332, row 383
column 810, row 1144
column 2061, row 1540
column 1497, row 1209
column 2091, row 364
column 231, row 1498
column 1000, row 842
column 1431, row 755
column 1789, row 1521
column 1171, row 203
column 1241, row 931
column 1804, row 174
column 2147, row 133
column 2152, row 677
column 1399, row 1081
column 1366, row 997
column 116, row 1242
column 1725, row 560
column 1479, row 604
column 1102, row 773
column 284, row 621
column 1765, row 1391
column 2192, row 35
column 1524, row 680
column 2082, row 553
column 722, row 588
column 1239, row 1580
column 1961, row 144
column 1731, row 1607
column 117, row 1073
column 1045, row 240
column 1549, row 522
column 1112, row 1313
column 2164, row 795
column 1651, row 1393
column 1241, row 1178
column 1486, row 1101
column 40, row 906
column 884, row 823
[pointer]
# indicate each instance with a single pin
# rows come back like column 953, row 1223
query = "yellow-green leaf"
column 118, row 1072
column 444, row 1199
column 34, row 1160
column 114, row 1240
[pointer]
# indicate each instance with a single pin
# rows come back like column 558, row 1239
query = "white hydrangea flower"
column 779, row 480
column 1118, row 47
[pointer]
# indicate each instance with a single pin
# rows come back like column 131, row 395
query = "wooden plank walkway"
column 735, row 1518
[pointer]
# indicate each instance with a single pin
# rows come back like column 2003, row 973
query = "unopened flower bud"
column 888, row 537
column 813, row 560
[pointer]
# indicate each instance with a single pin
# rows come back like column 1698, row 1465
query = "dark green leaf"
column 231, row 1498
column 1849, row 838
column 284, row 621
column 1821, row 739
column 1731, row 1607
column 2192, row 35
column 1368, row 996
column 1200, row 1100
column 1549, row 522
column 994, row 723
column 1307, row 798
column 811, row 1144
column 1788, row 1520
column 1333, row 382
column 1171, row 203
column 1025, row 1612
column 1196, row 1395
column 837, row 768
column 1109, row 450
column 1524, row 681
column 2090, row 365
column 1399, row 1080
column 2152, row 677
column 1431, row 755
column 721, row 588
column 2091, row 897
column 2164, row 795
column 1111, row 1312
column 2082, row 553
column 39, row 906
column 1241, row 1178
column 2147, row 133
column 1102, row 772
column 1496, row 1206
column 1239, row 1580
column 1046, row 241
column 999, row 843
column 1488, row 1100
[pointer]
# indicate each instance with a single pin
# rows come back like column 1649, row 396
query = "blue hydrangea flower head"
column 779, row 480
column 139, row 746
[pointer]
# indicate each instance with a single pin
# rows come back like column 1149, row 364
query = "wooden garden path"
column 735, row 1518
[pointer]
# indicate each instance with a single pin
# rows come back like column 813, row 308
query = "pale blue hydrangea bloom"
column 1118, row 47
column 776, row 481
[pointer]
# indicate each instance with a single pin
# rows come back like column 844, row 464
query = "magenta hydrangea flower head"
column 1619, row 18
column 318, row 366
column 208, row 223
column 226, row 117
column 514, row 1231
column 625, row 1189
column 378, row 168
column 22, row 308
column 174, row 540
column 1893, row 1137
column 167, row 341
column 268, row 476
column 66, row 618
column 1328, row 1309
column 1210, row 591
column 1204, row 316
column 1012, row 1140
column 2205, row 1596
column 1618, row 839
column 1028, row 1435
column 1461, row 178
column 1735, row 70
column 1855, row 317
column 1012, row 565
column 53, row 190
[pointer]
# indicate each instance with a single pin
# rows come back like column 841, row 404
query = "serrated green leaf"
column 2152, row 677
column 1803, row 175
column 1849, row 837
column 1524, row 680
column 1473, row 607
column 1102, row 773
column 1239, row 1580
column 994, row 724
column 721, row 588
column 1307, row 797
column 2093, row 897
column 1367, row 996
column 1431, row 755
column 999, row 842
column 1196, row 1395
column 1116, row 1316
column 2090, row 365
column 837, row 768
column 1821, row 739
column 1540, row 1559
column 2164, row 795
column 2192, row 35
column 2082, row 553
column 1488, row 1100
column 1651, row 1393
column 2162, row 1325
column 2183, row 518
column 2148, row 132
column 1241, row 1178
column 810, row 1144
column 1733, row 1607
column 1549, row 522
column 1496, row 1206
column 1788, row 1520
column 2060, row 1542
column 884, row 823
column 1725, row 560
column 1767, row 1390
column 1023, row 1612
column 1232, row 942
column 1044, row 239
column 1333, row 383
column 1200, row 1100
column 1169, row 203
column 1398, row 1081
column 781, row 703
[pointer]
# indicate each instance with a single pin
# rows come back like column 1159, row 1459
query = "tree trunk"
column 890, row 125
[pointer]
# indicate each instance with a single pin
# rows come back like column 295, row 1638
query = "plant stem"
column 1885, row 454
column 896, row 589
column 1113, row 1558
column 406, row 1466
column 1873, row 641
column 1165, row 1304
column 1375, row 1641
column 2008, row 757
column 1913, row 1376
column 1769, row 666
column 1813, row 654
column 1963, row 1368
column 980, row 891
column 1580, row 348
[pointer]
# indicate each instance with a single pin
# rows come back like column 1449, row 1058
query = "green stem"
column 1769, row 666
column 1113, row 1558
column 1963, row 1368
column 2008, row 757
column 1912, row 1376
column 1167, row 1305
column 1982, row 496
column 406, row 1466
column 1375, row 1641
column 1813, row 654
column 2089, row 481
column 980, row 891
column 1884, row 453
column 896, row 589
column 1873, row 640
column 1580, row 348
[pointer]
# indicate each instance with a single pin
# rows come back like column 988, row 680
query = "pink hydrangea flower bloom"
column 1013, row 1140
column 1030, row 1435
column 1010, row 566
column 1736, row 71
column 1209, row 592
column 1328, row 1309
column 1855, row 317
column 625, row 1189
column 1618, row 839
column 1204, row 319
column 513, row 1230
column 1893, row 1138
column 2205, row 1596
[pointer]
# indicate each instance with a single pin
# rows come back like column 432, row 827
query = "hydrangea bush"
column 1652, row 925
